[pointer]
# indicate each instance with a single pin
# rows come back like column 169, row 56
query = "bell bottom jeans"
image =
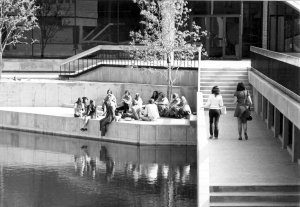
column 214, row 116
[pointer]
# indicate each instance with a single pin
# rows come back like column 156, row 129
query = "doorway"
column 224, row 37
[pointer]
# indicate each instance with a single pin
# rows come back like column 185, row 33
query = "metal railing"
column 283, row 69
column 118, row 55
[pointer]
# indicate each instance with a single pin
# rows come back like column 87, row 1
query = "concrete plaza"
column 257, row 161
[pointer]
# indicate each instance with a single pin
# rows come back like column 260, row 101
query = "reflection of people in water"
column 87, row 163
column 110, row 164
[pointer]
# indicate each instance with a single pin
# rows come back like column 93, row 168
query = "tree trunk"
column 1, row 64
column 169, row 89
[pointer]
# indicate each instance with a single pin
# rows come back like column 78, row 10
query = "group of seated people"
column 132, row 108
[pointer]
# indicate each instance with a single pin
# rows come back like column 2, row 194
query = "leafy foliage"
column 167, row 31
column 16, row 17
column 50, row 20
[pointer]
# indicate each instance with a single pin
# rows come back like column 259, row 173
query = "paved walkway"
column 260, row 160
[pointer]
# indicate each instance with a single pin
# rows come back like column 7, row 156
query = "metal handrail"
column 114, row 55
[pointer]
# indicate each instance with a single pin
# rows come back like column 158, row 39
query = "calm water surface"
column 42, row 171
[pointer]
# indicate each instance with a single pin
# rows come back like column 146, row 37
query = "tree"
column 50, row 16
column 16, row 17
column 167, row 34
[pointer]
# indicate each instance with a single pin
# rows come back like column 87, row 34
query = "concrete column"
column 285, row 133
column 259, row 104
column 255, row 100
column 277, row 123
column 270, row 115
column 265, row 25
column 263, row 108
column 296, row 144
column 202, row 155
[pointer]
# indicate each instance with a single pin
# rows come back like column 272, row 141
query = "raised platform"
column 60, row 121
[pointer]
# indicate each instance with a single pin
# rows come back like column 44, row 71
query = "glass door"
column 223, row 36
column 231, row 49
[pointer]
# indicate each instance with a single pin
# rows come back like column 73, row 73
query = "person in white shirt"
column 214, row 103
column 151, row 112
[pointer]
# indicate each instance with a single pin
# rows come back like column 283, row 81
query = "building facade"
column 68, row 27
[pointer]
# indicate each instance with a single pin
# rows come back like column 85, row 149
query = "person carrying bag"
column 242, row 111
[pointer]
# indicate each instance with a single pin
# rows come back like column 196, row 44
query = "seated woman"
column 154, row 95
column 109, row 116
column 85, row 105
column 90, row 114
column 78, row 108
column 162, row 104
column 184, row 110
column 138, row 100
column 110, row 97
column 151, row 112
column 126, row 102
column 173, row 107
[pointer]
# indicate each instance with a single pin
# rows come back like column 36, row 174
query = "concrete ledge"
column 285, row 104
column 286, row 58
column 160, row 132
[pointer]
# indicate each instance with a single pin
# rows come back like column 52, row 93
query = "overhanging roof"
column 294, row 4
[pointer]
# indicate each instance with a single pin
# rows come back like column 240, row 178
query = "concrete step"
column 225, row 69
column 232, row 83
column 256, row 204
column 216, row 80
column 255, row 197
column 221, row 73
column 256, row 188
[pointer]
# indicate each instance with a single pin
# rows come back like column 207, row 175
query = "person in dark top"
column 90, row 114
column 154, row 95
column 243, row 101
column 109, row 116
column 85, row 102
column 126, row 102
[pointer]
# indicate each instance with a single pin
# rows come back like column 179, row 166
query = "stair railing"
column 114, row 55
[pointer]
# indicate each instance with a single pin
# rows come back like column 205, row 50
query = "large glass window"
column 252, row 26
column 68, row 27
column 284, row 28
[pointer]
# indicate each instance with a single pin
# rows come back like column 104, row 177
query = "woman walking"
column 243, row 101
column 214, row 102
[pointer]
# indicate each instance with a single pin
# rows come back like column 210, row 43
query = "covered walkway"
column 258, row 161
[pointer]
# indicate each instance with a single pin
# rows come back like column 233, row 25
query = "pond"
column 42, row 171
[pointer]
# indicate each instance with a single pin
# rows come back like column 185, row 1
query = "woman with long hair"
column 243, row 101
column 184, row 110
column 154, row 95
column 78, row 108
column 214, row 103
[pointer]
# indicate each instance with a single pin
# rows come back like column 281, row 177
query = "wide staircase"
column 226, row 77
column 255, row 196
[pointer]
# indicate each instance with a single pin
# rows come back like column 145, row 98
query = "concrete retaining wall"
column 57, row 93
column 186, row 77
column 32, row 65
column 134, row 132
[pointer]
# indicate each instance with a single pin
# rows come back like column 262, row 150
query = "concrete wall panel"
column 289, row 107
column 59, row 93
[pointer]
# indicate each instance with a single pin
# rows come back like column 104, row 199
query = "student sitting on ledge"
column 151, row 112
column 162, row 104
column 78, row 108
column 126, row 102
column 90, row 114
column 184, row 110
column 109, row 116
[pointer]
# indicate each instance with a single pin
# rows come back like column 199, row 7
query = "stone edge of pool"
column 138, row 133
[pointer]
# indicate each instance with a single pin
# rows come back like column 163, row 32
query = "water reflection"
column 41, row 170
